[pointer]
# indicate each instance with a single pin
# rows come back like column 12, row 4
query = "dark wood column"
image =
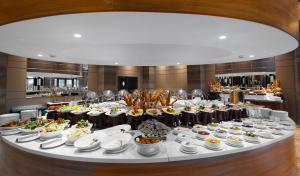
column 3, row 65
column 285, row 66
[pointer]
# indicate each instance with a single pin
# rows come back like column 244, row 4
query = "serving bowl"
column 147, row 146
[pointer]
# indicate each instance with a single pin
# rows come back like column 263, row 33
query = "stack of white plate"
column 178, row 130
column 188, row 147
column 265, row 134
column 182, row 137
column 215, row 147
column 234, row 143
column 249, row 139
column 116, row 144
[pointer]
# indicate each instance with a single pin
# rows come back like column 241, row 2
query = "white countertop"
column 169, row 151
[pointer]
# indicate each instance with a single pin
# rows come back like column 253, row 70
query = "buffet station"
column 150, row 133
column 271, row 96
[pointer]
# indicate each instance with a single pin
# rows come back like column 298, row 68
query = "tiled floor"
column 297, row 143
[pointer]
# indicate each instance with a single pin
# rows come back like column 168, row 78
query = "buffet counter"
column 169, row 151
column 252, row 159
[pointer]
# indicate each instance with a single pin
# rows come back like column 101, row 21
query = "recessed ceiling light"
column 178, row 63
column 76, row 35
column 222, row 37
column 251, row 56
column 40, row 55
column 116, row 63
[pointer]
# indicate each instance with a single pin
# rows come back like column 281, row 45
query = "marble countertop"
column 169, row 150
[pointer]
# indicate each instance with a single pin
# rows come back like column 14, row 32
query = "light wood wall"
column 171, row 77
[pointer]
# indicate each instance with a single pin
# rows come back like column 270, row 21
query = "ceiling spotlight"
column 222, row 37
column 116, row 63
column 40, row 55
column 251, row 56
column 178, row 63
column 76, row 35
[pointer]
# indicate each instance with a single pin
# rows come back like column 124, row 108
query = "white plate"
column 95, row 113
column 8, row 128
column 52, row 143
column 188, row 152
column 214, row 148
column 253, row 142
column 234, row 145
column 50, row 135
column 116, row 141
column 28, row 138
column 124, row 147
column 87, row 142
column 117, row 129
column 9, row 132
column 89, row 150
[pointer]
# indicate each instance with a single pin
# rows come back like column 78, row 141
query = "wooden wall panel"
column 286, row 73
column 260, row 65
column 3, row 68
column 171, row 77
column 35, row 65
column 280, row 14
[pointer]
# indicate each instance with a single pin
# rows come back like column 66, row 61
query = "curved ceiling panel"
column 143, row 39
column 282, row 14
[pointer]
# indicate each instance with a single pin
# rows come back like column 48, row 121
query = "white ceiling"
column 143, row 39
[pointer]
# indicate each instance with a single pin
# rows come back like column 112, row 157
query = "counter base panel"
column 277, row 159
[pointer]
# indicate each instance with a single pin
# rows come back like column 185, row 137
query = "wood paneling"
column 171, row 77
column 34, row 65
column 274, row 160
column 261, row 65
column 283, row 14
column 3, row 68
column 286, row 73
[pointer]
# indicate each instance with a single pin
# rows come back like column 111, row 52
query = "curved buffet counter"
column 269, row 157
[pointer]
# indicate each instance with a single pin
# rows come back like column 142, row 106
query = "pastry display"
column 135, row 112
